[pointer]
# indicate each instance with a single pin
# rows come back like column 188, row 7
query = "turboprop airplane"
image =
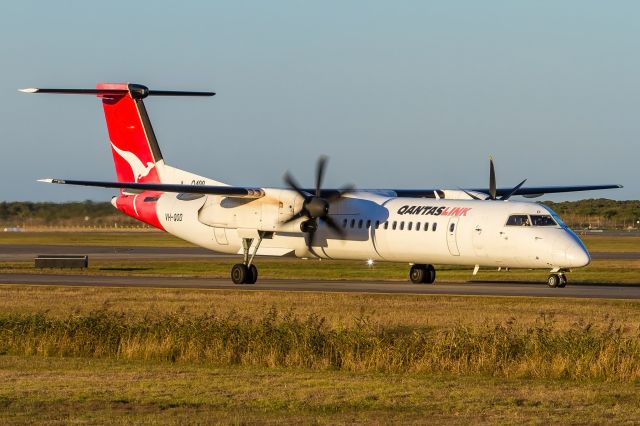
column 472, row 227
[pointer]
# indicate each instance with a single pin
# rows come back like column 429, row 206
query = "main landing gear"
column 422, row 274
column 246, row 272
column 557, row 280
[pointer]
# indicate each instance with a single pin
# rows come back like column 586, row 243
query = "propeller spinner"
column 315, row 207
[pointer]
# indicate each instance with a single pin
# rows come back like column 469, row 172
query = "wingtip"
column 28, row 90
column 50, row 180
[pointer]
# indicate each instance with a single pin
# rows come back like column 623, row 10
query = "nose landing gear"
column 557, row 280
column 422, row 274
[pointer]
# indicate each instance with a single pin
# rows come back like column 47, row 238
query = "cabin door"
column 452, row 231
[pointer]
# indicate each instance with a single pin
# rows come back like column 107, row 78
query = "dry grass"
column 542, row 351
column 340, row 309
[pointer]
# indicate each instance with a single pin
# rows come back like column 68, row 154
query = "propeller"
column 315, row 207
column 492, row 186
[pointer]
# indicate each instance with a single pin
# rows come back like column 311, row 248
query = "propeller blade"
column 289, row 180
column 296, row 216
column 322, row 164
column 343, row 190
column 513, row 191
column 475, row 197
column 492, row 179
column 333, row 225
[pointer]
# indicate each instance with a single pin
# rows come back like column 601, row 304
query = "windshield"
column 531, row 220
column 518, row 220
column 542, row 220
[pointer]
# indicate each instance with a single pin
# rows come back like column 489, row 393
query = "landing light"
column 369, row 263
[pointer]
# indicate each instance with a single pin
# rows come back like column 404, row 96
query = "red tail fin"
column 135, row 149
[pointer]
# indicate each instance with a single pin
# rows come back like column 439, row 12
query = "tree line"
column 594, row 213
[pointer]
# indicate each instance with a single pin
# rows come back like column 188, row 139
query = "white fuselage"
column 378, row 227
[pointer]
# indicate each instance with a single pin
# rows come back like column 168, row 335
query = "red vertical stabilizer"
column 133, row 143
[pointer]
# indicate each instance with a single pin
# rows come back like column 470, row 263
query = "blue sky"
column 406, row 94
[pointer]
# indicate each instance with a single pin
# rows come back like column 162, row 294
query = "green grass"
column 116, row 239
column 599, row 272
column 98, row 391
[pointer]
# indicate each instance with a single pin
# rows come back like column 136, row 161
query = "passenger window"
column 452, row 227
column 394, row 225
column 418, row 226
column 344, row 223
column 434, row 226
column 426, row 226
column 368, row 224
column 360, row 224
column 353, row 223
column 386, row 225
column 518, row 220
column 401, row 225
column 409, row 225
column 377, row 224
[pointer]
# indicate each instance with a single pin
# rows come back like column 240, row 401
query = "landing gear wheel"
column 417, row 274
column 553, row 281
column 430, row 275
column 240, row 273
column 253, row 275
column 563, row 281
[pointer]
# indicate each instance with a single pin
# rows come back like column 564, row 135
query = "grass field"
column 98, row 387
column 116, row 239
column 115, row 355
column 96, row 391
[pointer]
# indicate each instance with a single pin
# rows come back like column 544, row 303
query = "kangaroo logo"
column 139, row 170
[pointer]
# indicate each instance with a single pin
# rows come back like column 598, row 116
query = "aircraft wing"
column 229, row 191
column 529, row 192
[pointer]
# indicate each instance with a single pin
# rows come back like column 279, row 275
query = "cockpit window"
column 533, row 220
column 542, row 220
column 518, row 220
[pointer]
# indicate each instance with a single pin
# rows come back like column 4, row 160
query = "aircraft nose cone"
column 577, row 256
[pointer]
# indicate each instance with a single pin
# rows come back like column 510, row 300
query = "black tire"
column 430, row 275
column 417, row 274
column 553, row 280
column 239, row 273
column 252, row 275
column 563, row 281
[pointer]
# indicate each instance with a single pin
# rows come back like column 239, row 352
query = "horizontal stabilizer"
column 137, row 91
column 228, row 191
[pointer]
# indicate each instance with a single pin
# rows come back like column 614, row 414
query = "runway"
column 400, row 287
column 19, row 252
